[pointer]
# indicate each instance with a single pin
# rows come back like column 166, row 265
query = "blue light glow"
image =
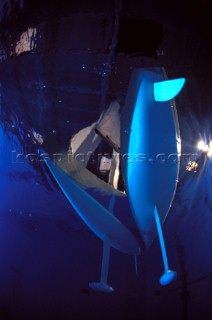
column 150, row 130
column 162, row 243
column 168, row 278
column 169, row 275
column 168, row 89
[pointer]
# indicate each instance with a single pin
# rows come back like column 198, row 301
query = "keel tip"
column 168, row 277
column 100, row 286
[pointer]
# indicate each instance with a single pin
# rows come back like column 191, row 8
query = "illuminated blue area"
column 169, row 276
column 162, row 243
column 152, row 129
column 168, row 89
column 138, row 135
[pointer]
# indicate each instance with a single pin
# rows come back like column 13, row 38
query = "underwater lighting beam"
column 209, row 152
column 202, row 146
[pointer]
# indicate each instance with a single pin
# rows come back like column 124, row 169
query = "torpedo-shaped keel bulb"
column 168, row 277
column 102, row 287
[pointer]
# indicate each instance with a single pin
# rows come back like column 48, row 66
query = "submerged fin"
column 136, row 265
column 168, row 89
column 102, row 285
column 168, row 276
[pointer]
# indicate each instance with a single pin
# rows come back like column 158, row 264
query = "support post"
column 102, row 285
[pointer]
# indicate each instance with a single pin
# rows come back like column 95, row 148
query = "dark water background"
column 80, row 58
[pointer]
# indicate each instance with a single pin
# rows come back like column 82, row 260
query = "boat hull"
column 150, row 151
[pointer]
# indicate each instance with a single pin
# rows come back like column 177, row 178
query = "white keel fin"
column 102, row 286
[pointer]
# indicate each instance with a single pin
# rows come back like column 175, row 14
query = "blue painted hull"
column 150, row 138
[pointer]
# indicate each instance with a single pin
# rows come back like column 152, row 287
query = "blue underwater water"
column 78, row 59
